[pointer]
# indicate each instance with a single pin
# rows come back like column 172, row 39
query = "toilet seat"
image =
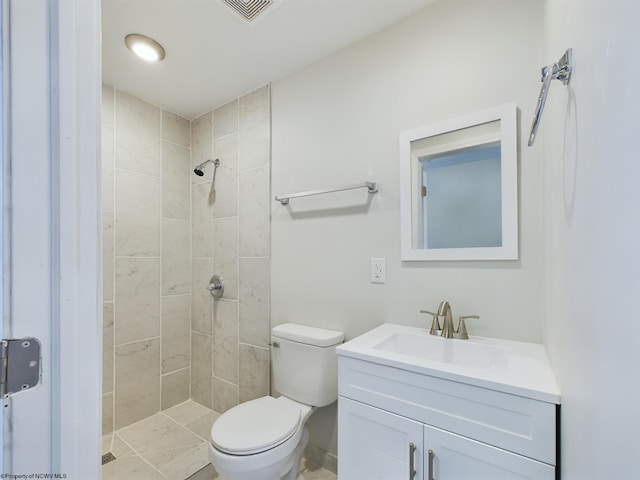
column 255, row 426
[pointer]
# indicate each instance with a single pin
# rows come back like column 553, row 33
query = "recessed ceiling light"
column 144, row 47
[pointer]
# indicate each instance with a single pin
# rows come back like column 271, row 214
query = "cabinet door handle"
column 430, row 465
column 412, row 470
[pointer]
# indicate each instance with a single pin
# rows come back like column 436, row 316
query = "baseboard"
column 321, row 457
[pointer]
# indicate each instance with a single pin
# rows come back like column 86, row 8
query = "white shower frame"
column 54, row 229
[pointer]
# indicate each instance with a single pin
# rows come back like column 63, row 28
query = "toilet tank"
column 305, row 364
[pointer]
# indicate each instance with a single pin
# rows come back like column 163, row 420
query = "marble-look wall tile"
column 202, row 239
column 176, row 183
column 224, row 395
column 255, row 129
column 202, row 146
column 226, row 181
column 107, row 347
column 107, row 413
column 254, row 301
column 254, row 213
column 240, row 228
column 201, row 299
column 137, row 393
column 225, row 254
column 137, row 308
column 225, row 119
column 176, row 129
column 254, row 373
column 176, row 332
column 137, row 135
column 107, row 255
column 107, row 147
column 175, row 388
column 225, row 344
column 138, row 206
column 176, row 258
column 202, row 221
column 201, row 368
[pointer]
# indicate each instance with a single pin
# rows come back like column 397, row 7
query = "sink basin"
column 512, row 367
column 465, row 353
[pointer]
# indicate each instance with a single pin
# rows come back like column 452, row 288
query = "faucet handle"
column 461, row 331
column 435, row 323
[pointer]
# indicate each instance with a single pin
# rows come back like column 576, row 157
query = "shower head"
column 199, row 170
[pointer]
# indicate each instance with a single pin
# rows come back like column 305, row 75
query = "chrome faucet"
column 435, row 323
column 447, row 330
column 447, row 327
column 461, row 331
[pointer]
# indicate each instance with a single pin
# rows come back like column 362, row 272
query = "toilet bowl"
column 262, row 439
column 265, row 438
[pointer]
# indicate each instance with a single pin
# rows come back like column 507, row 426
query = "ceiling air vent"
column 249, row 9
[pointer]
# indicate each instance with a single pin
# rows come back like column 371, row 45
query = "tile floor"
column 171, row 445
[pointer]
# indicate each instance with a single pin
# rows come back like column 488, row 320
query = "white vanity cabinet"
column 376, row 444
column 474, row 433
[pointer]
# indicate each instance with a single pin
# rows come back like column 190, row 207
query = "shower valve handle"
column 216, row 286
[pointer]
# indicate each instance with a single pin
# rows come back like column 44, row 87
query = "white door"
column 51, row 243
column 460, row 458
column 379, row 445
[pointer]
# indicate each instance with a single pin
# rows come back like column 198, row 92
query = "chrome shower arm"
column 216, row 162
column 561, row 70
column 542, row 98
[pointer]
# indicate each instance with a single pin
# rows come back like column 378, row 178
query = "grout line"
column 160, row 280
column 162, row 139
column 226, row 135
column 237, row 173
column 191, row 185
column 173, row 295
column 113, row 265
column 225, row 381
column 171, row 373
column 253, row 169
column 128, row 170
column 135, row 341
column 254, row 346
column 224, row 217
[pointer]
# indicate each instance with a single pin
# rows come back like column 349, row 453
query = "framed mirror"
column 459, row 188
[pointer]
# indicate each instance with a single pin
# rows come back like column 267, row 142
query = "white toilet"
column 264, row 439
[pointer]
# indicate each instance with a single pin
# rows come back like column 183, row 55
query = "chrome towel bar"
column 371, row 186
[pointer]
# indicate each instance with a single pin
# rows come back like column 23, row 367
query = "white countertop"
column 517, row 368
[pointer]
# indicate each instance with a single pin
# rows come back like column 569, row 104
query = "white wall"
column 337, row 122
column 592, row 222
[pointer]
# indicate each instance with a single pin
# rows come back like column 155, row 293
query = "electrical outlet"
column 378, row 269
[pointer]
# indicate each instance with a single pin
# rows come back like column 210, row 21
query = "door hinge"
column 19, row 365
column 424, row 191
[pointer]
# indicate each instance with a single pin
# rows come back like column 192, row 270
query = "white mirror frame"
column 506, row 114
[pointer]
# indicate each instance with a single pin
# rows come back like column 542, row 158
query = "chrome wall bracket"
column 20, row 362
column 561, row 70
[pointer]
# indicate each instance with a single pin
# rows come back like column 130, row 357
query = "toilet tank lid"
column 318, row 337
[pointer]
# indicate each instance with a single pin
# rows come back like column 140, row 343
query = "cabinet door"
column 460, row 458
column 375, row 445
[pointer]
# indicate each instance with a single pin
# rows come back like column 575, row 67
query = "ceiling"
column 214, row 55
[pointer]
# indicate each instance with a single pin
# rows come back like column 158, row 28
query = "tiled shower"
column 166, row 231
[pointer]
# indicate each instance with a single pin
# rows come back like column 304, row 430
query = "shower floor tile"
column 171, row 445
column 161, row 447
